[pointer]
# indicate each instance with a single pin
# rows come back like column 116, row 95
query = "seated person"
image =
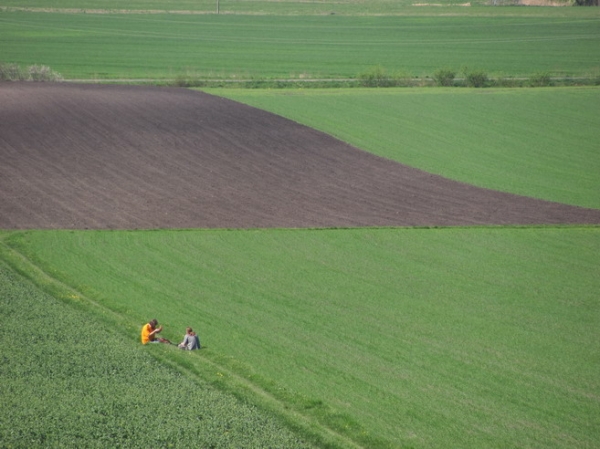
column 149, row 332
column 190, row 340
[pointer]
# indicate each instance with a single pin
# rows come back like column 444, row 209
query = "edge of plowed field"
column 184, row 159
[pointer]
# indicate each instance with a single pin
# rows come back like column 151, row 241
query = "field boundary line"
column 415, row 9
column 227, row 380
column 102, row 11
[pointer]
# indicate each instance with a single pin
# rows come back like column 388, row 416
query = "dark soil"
column 105, row 157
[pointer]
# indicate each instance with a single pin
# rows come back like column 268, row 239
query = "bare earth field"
column 123, row 157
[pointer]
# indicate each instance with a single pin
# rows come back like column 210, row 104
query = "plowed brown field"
column 104, row 157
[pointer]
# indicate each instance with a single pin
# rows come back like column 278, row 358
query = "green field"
column 284, row 7
column 481, row 337
column 68, row 381
column 166, row 46
column 540, row 143
column 475, row 337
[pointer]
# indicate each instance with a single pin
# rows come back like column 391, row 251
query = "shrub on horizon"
column 475, row 78
column 375, row 77
column 43, row 73
column 14, row 72
column 540, row 80
column 444, row 77
column 11, row 72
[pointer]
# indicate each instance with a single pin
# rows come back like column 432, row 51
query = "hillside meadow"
column 425, row 338
column 70, row 381
column 541, row 143
column 167, row 47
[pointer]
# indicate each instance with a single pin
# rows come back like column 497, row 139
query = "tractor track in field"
column 84, row 156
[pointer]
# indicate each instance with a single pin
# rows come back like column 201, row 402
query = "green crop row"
column 229, row 47
column 480, row 337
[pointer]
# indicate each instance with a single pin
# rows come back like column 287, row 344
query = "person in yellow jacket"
column 150, row 331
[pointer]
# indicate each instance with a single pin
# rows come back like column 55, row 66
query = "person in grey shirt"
column 190, row 340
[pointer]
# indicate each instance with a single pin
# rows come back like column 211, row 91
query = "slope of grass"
column 541, row 143
column 109, row 46
column 71, row 382
column 482, row 337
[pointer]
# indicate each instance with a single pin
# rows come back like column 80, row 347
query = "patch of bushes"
column 444, row 77
column 43, row 73
column 185, row 81
column 540, row 80
column 11, row 72
column 262, row 83
column 14, row 72
column 377, row 76
column 475, row 78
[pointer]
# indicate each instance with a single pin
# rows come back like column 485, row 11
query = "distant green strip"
column 166, row 46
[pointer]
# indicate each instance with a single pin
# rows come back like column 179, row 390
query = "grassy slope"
column 430, row 338
column 243, row 46
column 535, row 142
column 70, row 381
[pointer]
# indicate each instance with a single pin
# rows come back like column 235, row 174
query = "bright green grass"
column 70, row 382
column 226, row 46
column 346, row 7
column 541, row 143
column 429, row 338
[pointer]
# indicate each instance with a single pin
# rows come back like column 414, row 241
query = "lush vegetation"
column 69, row 381
column 481, row 337
column 539, row 142
column 233, row 47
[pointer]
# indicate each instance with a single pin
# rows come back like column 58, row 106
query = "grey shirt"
column 191, row 342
